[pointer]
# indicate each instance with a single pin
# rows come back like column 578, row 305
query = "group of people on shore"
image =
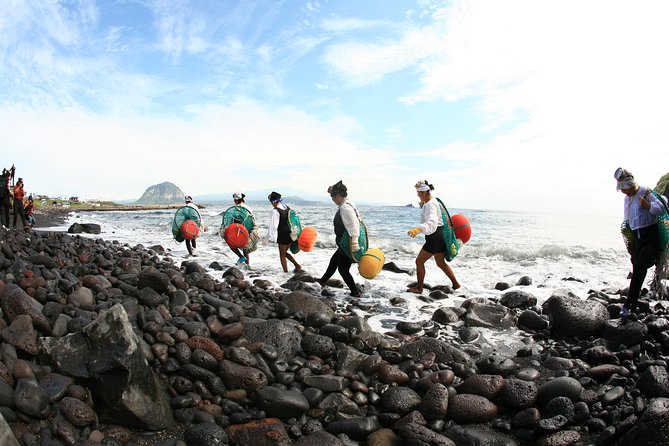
column 13, row 197
column 347, row 222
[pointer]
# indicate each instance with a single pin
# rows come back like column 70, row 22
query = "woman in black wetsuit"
column 280, row 228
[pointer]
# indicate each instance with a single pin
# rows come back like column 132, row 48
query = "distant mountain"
column 163, row 193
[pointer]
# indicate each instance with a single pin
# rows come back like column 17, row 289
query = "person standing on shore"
column 279, row 227
column 345, row 220
column 641, row 209
column 5, row 194
column 431, row 224
column 190, row 243
column 19, row 211
column 29, row 206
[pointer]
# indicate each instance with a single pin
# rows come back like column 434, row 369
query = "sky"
column 524, row 105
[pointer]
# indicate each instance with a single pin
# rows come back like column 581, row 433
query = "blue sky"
column 517, row 105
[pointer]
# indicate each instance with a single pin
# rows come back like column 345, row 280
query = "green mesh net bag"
column 662, row 265
column 363, row 243
column 452, row 243
column 295, row 230
column 241, row 215
column 182, row 214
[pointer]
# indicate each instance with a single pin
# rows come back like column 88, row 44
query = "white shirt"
column 274, row 221
column 349, row 218
column 635, row 215
column 430, row 217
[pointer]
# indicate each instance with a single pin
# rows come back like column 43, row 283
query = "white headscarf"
column 423, row 186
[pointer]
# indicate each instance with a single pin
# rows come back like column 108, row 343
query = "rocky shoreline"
column 107, row 344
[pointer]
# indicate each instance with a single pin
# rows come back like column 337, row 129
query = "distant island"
column 163, row 193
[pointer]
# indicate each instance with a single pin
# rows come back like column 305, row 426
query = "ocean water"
column 558, row 251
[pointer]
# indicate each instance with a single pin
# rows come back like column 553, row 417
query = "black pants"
column 4, row 211
column 340, row 261
column 645, row 250
column 19, row 211
column 190, row 246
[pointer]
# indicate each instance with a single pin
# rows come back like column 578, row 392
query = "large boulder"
column 652, row 428
column 574, row 317
column 107, row 353
column 489, row 315
column 284, row 337
column 306, row 303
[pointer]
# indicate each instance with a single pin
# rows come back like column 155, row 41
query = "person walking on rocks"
column 641, row 209
column 19, row 211
column 5, row 194
column 345, row 220
column 29, row 206
column 279, row 227
column 431, row 224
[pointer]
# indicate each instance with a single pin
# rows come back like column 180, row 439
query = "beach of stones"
column 107, row 344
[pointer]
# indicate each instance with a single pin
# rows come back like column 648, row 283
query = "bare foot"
column 415, row 290
column 455, row 286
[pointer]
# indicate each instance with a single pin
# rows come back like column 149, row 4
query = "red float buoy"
column 189, row 229
column 307, row 239
column 463, row 230
column 236, row 235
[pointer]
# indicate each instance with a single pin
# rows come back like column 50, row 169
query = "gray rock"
column 284, row 337
column 306, row 303
column 55, row 385
column 320, row 438
column 21, row 334
column 14, row 302
column 82, row 298
column 7, row 437
column 630, row 333
column 434, row 405
column 338, row 407
column 77, row 412
column 326, row 383
column 518, row 394
column 154, row 279
column 31, row 399
column 562, row 386
column 318, row 345
column 560, row 405
column 479, row 436
column 107, row 352
column 445, row 315
column 532, row 320
column 487, row 386
column 355, row 428
column 573, row 317
column 400, row 400
column 652, row 427
column 654, row 382
column 237, row 376
column 42, row 259
column 349, row 359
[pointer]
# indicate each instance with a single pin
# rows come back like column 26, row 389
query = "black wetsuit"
column 283, row 231
column 4, row 200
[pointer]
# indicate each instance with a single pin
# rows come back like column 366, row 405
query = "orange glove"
column 414, row 232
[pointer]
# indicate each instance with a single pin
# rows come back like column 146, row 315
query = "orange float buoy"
column 307, row 239
column 236, row 235
column 189, row 230
column 463, row 230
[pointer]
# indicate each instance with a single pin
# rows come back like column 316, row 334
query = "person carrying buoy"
column 345, row 220
column 431, row 224
column 640, row 226
column 244, row 253
column 188, row 224
column 279, row 230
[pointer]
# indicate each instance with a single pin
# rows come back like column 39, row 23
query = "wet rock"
column 407, row 327
column 326, row 383
column 444, row 351
column 489, row 315
column 356, row 428
column 281, row 403
column 630, row 333
column 318, row 345
column 306, row 303
column 390, row 374
column 518, row 299
column 562, row 386
column 445, row 315
column 524, row 281
column 349, row 359
column 320, row 438
column 652, row 427
column 531, row 320
column 284, row 337
column 205, row 434
column 156, row 280
column 479, row 436
column 338, row 407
